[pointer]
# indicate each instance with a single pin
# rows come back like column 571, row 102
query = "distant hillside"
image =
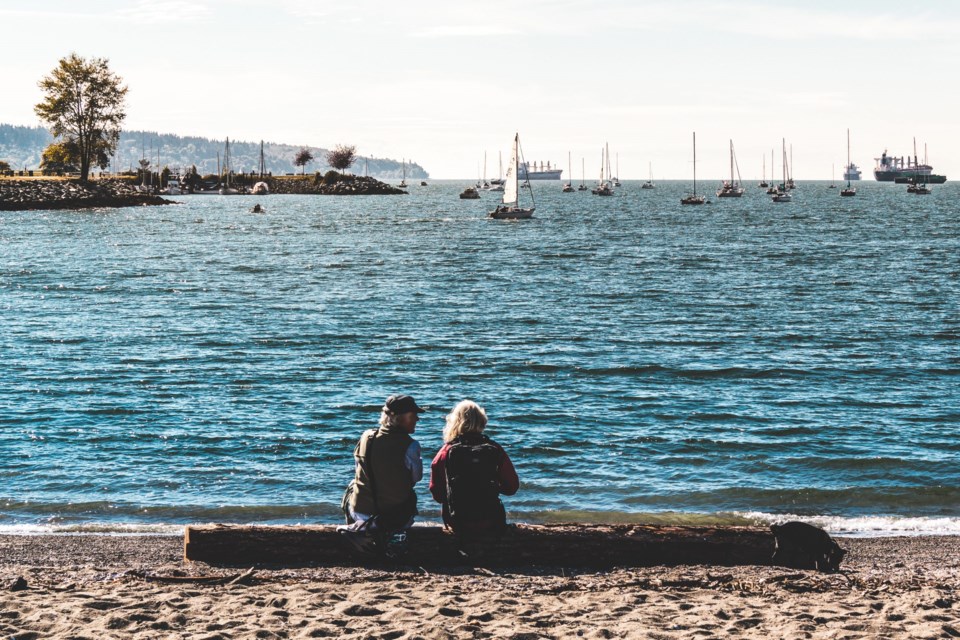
column 22, row 146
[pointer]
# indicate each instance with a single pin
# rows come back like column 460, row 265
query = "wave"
column 841, row 526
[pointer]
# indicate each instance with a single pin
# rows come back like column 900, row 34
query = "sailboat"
column 616, row 178
column 772, row 190
column 499, row 179
column 403, row 180
column 833, row 171
column 782, row 194
column 603, row 187
column 731, row 189
column 568, row 188
column 486, row 184
column 510, row 208
column 583, row 175
column 849, row 191
column 649, row 183
column 261, row 188
column 916, row 186
column 226, row 189
column 763, row 181
column 694, row 199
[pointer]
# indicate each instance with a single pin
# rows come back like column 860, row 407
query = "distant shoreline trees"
column 84, row 106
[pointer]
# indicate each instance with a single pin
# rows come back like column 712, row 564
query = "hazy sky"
column 441, row 82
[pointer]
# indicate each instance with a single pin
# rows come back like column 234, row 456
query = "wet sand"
column 97, row 587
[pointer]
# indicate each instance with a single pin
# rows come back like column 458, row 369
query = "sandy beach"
column 95, row 587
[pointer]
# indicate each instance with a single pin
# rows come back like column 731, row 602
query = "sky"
column 445, row 82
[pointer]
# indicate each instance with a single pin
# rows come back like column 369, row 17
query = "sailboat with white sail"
column 510, row 208
column 694, row 198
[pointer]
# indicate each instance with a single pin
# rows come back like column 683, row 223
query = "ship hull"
column 539, row 175
column 894, row 176
column 933, row 178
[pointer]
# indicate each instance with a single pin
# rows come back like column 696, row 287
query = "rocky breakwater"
column 21, row 195
column 334, row 185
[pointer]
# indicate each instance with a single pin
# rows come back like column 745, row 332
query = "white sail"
column 510, row 180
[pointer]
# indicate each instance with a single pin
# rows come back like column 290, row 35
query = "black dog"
column 803, row 546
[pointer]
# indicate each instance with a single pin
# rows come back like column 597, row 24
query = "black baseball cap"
column 399, row 403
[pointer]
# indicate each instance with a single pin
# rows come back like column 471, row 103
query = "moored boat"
column 694, row 198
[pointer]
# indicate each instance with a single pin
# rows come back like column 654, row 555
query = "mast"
column 731, row 161
column 583, row 170
column 694, row 164
column 784, row 163
column 848, row 157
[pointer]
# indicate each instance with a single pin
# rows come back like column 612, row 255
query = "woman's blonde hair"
column 466, row 417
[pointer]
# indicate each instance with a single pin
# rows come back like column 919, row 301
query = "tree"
column 84, row 106
column 4, row 166
column 302, row 158
column 59, row 157
column 342, row 157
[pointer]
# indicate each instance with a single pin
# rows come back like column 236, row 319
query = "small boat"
column 782, row 193
column 649, row 183
column 919, row 189
column 403, row 180
column 173, row 187
column 423, row 183
column 694, row 198
column 498, row 181
column 849, row 191
column 509, row 208
column 583, row 175
column 616, row 178
column 603, row 187
column 763, row 181
column 731, row 189
column 833, row 170
column 470, row 193
column 568, row 187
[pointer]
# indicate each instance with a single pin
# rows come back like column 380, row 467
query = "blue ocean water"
column 640, row 361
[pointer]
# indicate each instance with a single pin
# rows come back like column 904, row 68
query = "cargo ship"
column 851, row 172
column 535, row 171
column 904, row 169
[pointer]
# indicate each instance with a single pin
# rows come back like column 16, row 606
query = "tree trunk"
column 567, row 545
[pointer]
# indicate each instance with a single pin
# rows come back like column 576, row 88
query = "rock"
column 18, row 585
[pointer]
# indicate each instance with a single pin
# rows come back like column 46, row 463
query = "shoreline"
column 140, row 587
column 46, row 195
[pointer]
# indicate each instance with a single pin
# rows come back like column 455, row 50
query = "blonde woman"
column 470, row 472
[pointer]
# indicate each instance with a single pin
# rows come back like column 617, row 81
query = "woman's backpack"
column 473, row 487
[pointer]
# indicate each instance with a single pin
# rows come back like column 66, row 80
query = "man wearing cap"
column 381, row 498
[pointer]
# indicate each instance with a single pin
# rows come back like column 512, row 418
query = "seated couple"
column 467, row 476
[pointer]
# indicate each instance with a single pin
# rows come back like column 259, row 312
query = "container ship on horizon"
column 904, row 169
column 533, row 171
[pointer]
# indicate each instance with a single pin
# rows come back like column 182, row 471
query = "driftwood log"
column 560, row 545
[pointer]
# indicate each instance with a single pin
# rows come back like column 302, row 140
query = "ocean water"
column 739, row 362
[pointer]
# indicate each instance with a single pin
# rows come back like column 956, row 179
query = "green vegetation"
column 84, row 106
